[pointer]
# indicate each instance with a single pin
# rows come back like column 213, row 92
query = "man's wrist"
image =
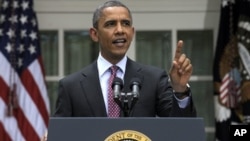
column 184, row 94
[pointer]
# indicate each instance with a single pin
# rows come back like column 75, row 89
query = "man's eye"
column 126, row 23
column 109, row 24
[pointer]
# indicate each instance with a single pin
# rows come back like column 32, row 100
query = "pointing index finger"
column 178, row 51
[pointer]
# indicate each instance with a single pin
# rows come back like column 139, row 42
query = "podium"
column 125, row 129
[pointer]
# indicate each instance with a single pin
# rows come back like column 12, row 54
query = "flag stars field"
column 10, row 33
column 32, row 49
column 15, row 4
column 23, row 19
column 21, row 48
column 33, row 35
column 23, row 33
column 9, row 48
column 25, row 5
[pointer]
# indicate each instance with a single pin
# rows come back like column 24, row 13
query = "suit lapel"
column 133, row 70
column 92, row 90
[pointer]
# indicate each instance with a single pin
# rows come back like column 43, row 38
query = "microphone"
column 135, row 86
column 117, row 85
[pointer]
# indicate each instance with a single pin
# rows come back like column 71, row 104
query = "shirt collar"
column 103, row 65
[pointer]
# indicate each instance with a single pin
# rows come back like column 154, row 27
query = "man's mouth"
column 119, row 42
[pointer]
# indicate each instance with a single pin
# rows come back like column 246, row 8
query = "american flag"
column 229, row 91
column 24, row 103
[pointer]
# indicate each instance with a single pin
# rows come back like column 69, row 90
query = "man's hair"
column 99, row 11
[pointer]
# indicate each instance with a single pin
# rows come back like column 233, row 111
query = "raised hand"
column 181, row 69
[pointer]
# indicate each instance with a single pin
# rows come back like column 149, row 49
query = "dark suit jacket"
column 80, row 93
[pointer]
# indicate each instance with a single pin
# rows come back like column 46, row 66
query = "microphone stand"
column 128, row 101
column 125, row 107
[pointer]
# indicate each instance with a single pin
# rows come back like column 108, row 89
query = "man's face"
column 114, row 33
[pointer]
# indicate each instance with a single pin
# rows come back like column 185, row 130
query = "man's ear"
column 93, row 34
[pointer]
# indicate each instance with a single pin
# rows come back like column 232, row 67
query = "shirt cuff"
column 182, row 102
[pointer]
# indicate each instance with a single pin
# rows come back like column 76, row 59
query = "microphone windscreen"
column 117, row 81
column 135, row 81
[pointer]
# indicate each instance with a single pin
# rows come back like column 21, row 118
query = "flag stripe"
column 26, row 129
column 34, row 93
column 5, row 136
column 35, row 69
column 26, row 103
column 9, row 123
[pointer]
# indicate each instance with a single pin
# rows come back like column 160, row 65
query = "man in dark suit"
column 84, row 93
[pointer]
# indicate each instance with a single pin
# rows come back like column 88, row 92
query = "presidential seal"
column 127, row 135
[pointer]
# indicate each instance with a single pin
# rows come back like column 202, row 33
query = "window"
column 154, row 48
column 79, row 50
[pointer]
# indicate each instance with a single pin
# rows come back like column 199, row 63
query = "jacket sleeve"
column 167, row 104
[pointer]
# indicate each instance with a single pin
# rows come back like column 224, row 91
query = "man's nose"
column 119, row 28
